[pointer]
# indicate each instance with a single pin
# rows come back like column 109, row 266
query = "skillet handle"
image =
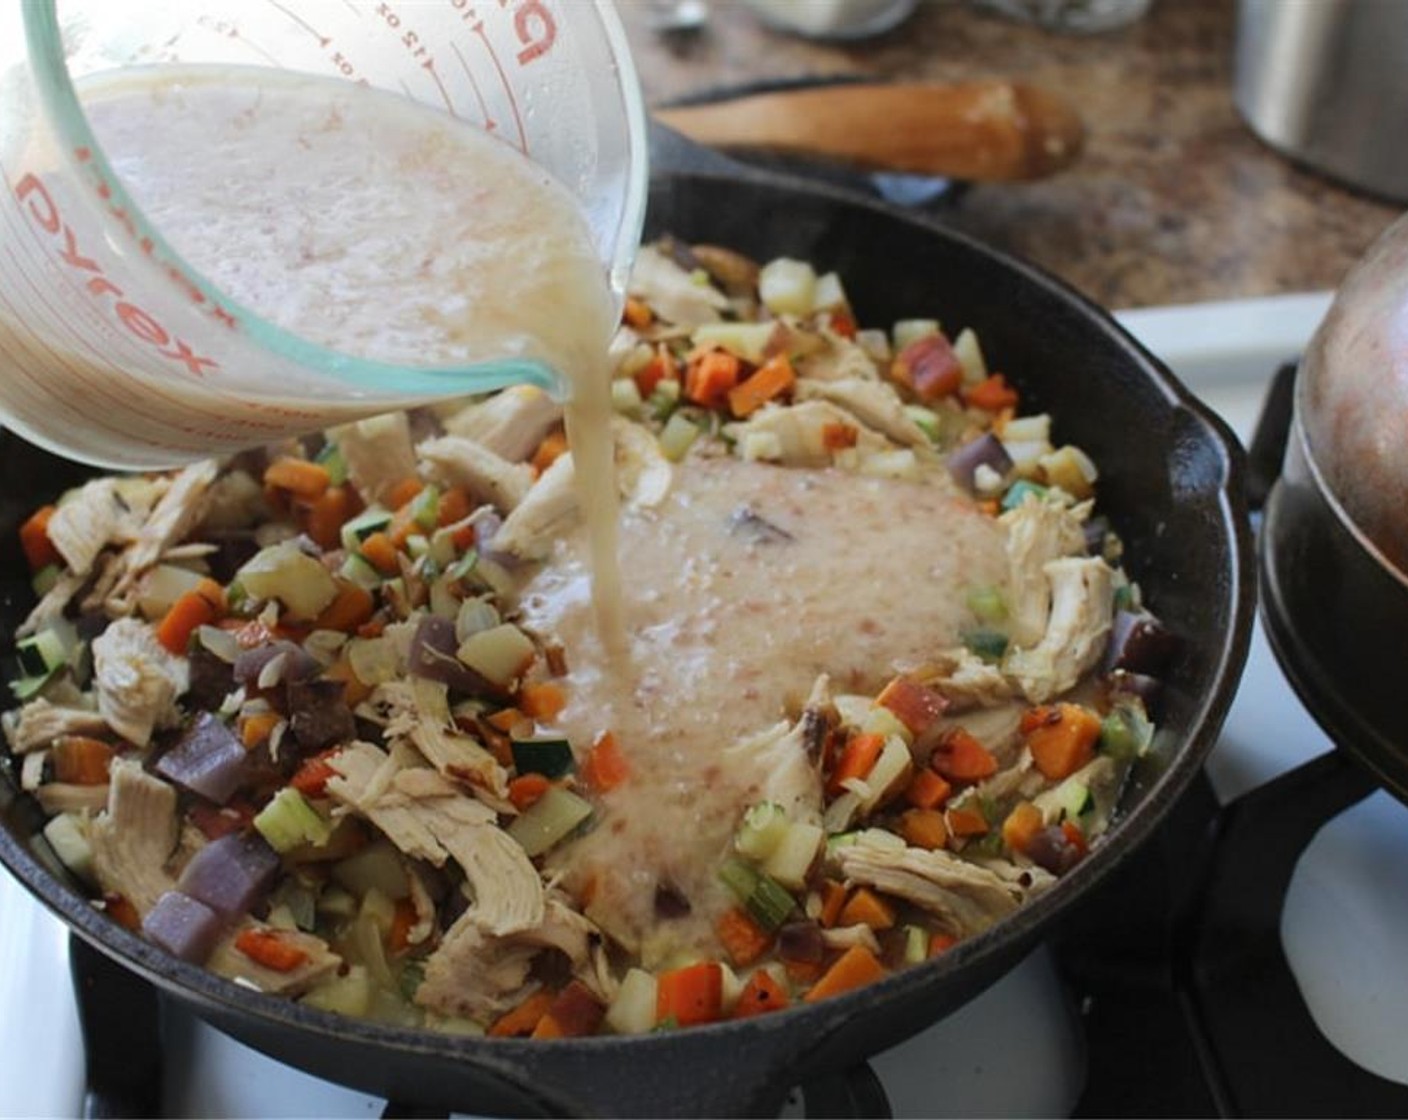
column 120, row 1019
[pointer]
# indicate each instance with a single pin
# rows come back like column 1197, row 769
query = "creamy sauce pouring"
column 375, row 226
column 747, row 582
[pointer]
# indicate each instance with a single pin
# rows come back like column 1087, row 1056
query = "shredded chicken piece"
column 838, row 360
column 85, row 524
column 52, row 606
column 378, row 453
column 798, row 433
column 643, row 474
column 964, row 898
column 1038, row 532
column 966, row 680
column 874, row 403
column 137, row 681
column 135, row 837
column 173, row 516
column 672, row 293
column 787, row 773
column 420, row 712
column 510, row 424
column 64, row 797
column 1082, row 608
column 229, row 962
column 235, row 500
column 489, row 477
column 548, row 512
column 40, row 722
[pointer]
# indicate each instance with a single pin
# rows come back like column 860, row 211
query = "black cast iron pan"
column 1171, row 483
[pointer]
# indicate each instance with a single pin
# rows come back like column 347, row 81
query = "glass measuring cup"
column 114, row 350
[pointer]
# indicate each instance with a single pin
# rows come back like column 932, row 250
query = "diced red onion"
column 801, row 941
column 298, row 664
column 208, row 760
column 433, row 656
column 1140, row 643
column 318, row 714
column 986, row 450
column 231, row 874
column 183, row 926
column 1052, row 849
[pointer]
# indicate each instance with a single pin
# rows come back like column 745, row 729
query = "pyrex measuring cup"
column 114, row 350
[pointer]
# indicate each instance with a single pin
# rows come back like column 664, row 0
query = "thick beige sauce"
column 728, row 631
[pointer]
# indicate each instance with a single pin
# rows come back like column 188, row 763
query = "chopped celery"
column 677, row 437
column 916, row 945
column 665, row 399
column 927, row 419
column 288, row 821
column 377, row 867
column 1018, row 491
column 879, row 720
column 69, row 839
column 549, row 820
column 1125, row 733
column 331, row 459
column 763, row 828
column 356, row 569
column 425, row 508
column 551, row 758
column 48, row 650
column 625, row 396
column 988, row 604
column 43, row 580
column 359, row 528
column 765, row 899
column 990, row 645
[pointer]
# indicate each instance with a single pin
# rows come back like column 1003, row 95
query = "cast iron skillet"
column 1172, row 484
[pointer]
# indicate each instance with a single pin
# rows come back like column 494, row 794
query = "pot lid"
column 1352, row 397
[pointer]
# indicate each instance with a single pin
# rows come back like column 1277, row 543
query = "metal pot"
column 1172, row 485
column 1334, row 546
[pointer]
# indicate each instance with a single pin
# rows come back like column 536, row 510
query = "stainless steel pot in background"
column 1325, row 82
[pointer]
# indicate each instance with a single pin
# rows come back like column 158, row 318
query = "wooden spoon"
column 978, row 131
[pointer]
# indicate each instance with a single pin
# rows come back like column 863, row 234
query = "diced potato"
column 793, row 856
column 162, row 586
column 348, row 995
column 970, row 357
column 633, row 1009
column 829, row 294
column 888, row 776
column 68, row 836
column 499, row 655
column 678, row 436
column 787, row 287
column 1070, row 468
column 900, row 463
column 763, row 446
column 881, row 721
column 906, row 331
column 286, row 573
column 1027, row 428
column 753, row 342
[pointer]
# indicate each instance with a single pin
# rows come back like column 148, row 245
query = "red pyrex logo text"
column 42, row 208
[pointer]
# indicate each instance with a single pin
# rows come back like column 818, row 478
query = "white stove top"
column 1015, row 1050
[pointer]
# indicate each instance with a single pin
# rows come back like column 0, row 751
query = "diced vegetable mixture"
column 287, row 719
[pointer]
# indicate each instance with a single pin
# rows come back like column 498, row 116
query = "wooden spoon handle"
column 978, row 131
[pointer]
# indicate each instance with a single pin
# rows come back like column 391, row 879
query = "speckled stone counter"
column 1173, row 199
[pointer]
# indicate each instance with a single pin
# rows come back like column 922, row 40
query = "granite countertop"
column 1172, row 201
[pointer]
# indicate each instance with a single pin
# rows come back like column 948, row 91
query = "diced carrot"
column 916, row 706
column 374, row 627
column 927, row 789
column 742, row 938
column 605, row 766
column 802, row 973
column 81, row 761
column 865, row 907
column 842, row 322
column 924, row 828
column 574, row 1013
column 403, row 920
column 301, row 478
column 857, row 759
column 637, row 313
column 455, row 505
column 833, row 900
column 993, row 394
column 928, row 366
column 404, row 492
column 760, row 995
column 526, row 789
column 544, row 700
column 941, row 943
column 505, row 719
column 773, row 378
column 661, row 367
column 1061, row 738
column 380, row 553
column 520, row 1021
column 959, row 757
column 989, row 507
column 198, row 607
column 403, row 526
column 553, row 445
column 855, row 968
column 120, row 909
column 710, row 376
column 1021, row 825
column 351, row 606
column 267, row 948
column 256, row 727
column 311, row 778
column 962, row 820
column 324, row 516
column 39, row 550
column 837, row 435
column 1073, row 833
column 689, row 995
column 354, row 691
